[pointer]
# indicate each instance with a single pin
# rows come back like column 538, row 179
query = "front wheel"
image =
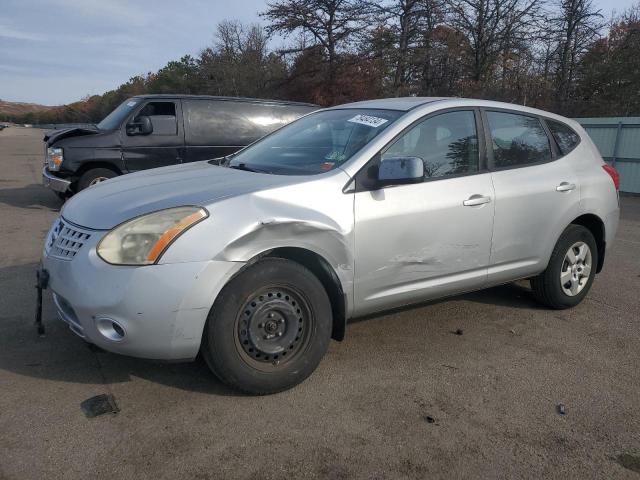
column 94, row 176
column 571, row 270
column 269, row 327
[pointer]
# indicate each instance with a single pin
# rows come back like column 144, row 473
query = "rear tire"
column 94, row 176
column 269, row 327
column 570, row 272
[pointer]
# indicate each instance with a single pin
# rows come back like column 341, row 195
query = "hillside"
column 20, row 108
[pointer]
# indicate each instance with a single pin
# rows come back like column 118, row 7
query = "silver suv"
column 257, row 260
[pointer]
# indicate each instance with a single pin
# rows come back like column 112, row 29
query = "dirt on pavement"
column 402, row 397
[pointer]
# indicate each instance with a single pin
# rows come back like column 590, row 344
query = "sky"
column 59, row 51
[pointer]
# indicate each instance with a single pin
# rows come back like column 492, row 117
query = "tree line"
column 558, row 55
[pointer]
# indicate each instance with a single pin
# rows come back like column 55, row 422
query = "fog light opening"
column 110, row 329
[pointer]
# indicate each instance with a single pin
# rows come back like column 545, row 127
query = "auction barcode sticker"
column 368, row 120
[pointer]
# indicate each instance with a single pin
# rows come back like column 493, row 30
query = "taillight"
column 613, row 173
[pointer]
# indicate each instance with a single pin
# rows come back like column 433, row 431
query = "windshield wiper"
column 243, row 166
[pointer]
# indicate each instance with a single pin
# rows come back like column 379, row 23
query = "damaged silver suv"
column 258, row 259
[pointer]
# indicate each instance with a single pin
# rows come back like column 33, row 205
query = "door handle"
column 475, row 200
column 565, row 187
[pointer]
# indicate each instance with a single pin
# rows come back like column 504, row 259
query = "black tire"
column 90, row 176
column 241, row 344
column 547, row 287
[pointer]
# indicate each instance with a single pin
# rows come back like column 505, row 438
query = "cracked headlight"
column 143, row 240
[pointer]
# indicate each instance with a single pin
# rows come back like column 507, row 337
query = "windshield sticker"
column 131, row 104
column 368, row 120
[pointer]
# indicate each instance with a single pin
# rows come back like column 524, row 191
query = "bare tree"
column 490, row 26
column 330, row 23
column 577, row 26
column 409, row 24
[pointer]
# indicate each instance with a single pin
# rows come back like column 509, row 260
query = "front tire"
column 269, row 327
column 571, row 270
column 94, row 176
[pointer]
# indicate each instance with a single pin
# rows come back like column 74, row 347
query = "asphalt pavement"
column 403, row 396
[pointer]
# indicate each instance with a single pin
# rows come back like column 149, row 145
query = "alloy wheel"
column 576, row 269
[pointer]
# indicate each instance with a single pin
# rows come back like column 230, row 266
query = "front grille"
column 65, row 240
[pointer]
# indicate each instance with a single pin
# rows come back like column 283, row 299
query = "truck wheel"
column 94, row 176
column 571, row 270
column 269, row 327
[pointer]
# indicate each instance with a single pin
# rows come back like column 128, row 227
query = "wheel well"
column 91, row 165
column 327, row 276
column 596, row 227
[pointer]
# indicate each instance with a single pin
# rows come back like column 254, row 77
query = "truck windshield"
column 115, row 118
column 316, row 143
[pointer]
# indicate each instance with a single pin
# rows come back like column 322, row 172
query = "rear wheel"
column 94, row 176
column 269, row 327
column 571, row 270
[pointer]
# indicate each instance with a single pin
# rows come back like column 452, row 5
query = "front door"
column 164, row 146
column 431, row 239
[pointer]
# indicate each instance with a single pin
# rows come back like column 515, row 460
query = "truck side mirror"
column 141, row 126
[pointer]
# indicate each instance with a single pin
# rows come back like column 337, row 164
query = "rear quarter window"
column 566, row 138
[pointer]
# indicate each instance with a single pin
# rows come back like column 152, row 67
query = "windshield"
column 115, row 118
column 316, row 143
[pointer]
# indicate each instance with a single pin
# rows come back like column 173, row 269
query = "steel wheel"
column 273, row 327
column 97, row 180
column 576, row 269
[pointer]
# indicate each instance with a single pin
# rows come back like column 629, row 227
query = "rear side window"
column 226, row 123
column 517, row 140
column 447, row 144
column 564, row 135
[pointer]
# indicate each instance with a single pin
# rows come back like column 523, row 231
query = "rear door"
column 164, row 146
column 430, row 239
column 537, row 193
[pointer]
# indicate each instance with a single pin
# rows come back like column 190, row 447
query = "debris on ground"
column 561, row 409
column 99, row 405
column 459, row 331
column 429, row 419
column 630, row 461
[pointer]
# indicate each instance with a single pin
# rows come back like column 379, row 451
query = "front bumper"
column 56, row 184
column 160, row 309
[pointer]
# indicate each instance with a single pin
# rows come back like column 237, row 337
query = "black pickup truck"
column 152, row 131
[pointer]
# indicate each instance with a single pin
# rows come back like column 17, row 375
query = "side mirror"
column 400, row 171
column 141, row 126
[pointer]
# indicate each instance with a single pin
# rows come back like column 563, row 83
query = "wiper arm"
column 243, row 166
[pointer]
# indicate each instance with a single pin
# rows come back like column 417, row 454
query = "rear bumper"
column 56, row 184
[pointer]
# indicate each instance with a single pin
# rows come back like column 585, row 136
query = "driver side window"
column 162, row 116
column 447, row 144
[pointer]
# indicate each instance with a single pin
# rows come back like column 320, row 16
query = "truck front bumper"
column 56, row 184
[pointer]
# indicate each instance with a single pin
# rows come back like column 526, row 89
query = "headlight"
column 54, row 159
column 143, row 240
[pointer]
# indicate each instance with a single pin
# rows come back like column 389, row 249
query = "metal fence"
column 618, row 139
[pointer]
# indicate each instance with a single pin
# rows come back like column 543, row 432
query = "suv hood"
column 110, row 203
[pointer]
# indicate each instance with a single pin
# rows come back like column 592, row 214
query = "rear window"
column 564, row 136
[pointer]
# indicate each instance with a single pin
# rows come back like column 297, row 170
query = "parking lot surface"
column 402, row 397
